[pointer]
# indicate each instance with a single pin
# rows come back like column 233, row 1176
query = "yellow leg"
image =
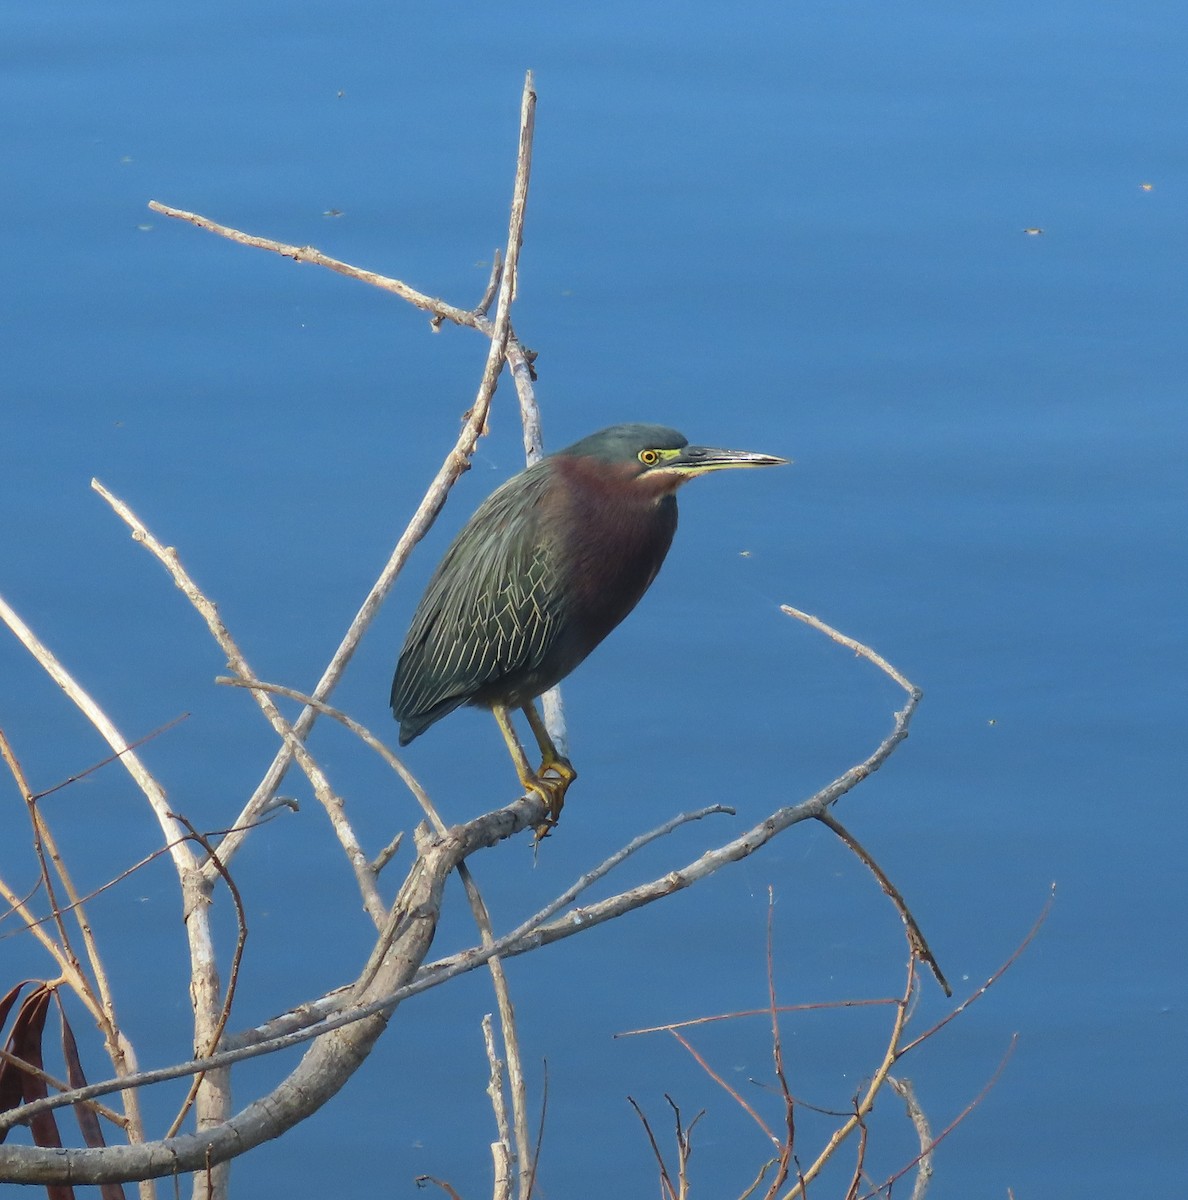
column 551, row 758
column 550, row 788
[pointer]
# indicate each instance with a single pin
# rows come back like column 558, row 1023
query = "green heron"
column 548, row 565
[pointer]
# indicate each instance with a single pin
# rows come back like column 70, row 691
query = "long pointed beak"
column 697, row 460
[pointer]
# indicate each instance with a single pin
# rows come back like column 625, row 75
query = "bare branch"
column 233, row 979
column 666, row 1183
column 905, row 1091
column 359, row 730
column 481, row 308
column 103, row 762
column 343, row 1027
column 197, row 925
column 116, row 1118
column 168, row 557
column 858, row 648
column 759, row 1012
column 100, row 999
column 915, row 936
column 455, row 463
column 154, row 793
column 865, row 1103
column 948, row 1129
column 500, row 1149
column 502, row 823
column 994, row 978
column 422, row 1180
column 511, row 1043
column 788, row 1146
column 340, row 1047
column 308, row 254
column 732, row 1092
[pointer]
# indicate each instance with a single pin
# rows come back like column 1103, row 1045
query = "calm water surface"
column 800, row 230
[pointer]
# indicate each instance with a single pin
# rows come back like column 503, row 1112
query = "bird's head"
column 656, row 460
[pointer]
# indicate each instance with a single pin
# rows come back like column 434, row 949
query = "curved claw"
column 562, row 768
column 551, row 789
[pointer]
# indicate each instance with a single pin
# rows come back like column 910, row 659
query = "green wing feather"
column 491, row 609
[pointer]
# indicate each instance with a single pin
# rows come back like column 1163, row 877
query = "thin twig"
column 886, row 1185
column 759, row 1012
column 359, row 730
column 206, row 608
column 994, row 978
column 456, row 461
column 116, row 1118
column 501, row 1148
column 666, row 1183
column 32, row 922
column 859, row 1160
column 684, row 1137
column 480, row 309
column 865, row 1103
column 309, row 254
column 43, row 845
column 732, row 1092
column 511, row 1041
column 477, row 906
column 529, row 936
column 241, row 932
column 103, row 762
column 915, row 935
column 918, row 1117
column 154, row 793
column 540, row 1126
column 421, row 1180
column 98, row 999
column 753, row 1187
column 787, row 1149
column 388, row 853
column 527, row 812
column 102, row 997
column 858, row 648
column 204, row 975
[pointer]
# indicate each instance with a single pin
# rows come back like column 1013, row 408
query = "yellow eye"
column 649, row 458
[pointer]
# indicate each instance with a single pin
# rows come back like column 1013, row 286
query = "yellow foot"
column 561, row 767
column 550, row 785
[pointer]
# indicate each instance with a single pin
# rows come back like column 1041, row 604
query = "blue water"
column 797, row 229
